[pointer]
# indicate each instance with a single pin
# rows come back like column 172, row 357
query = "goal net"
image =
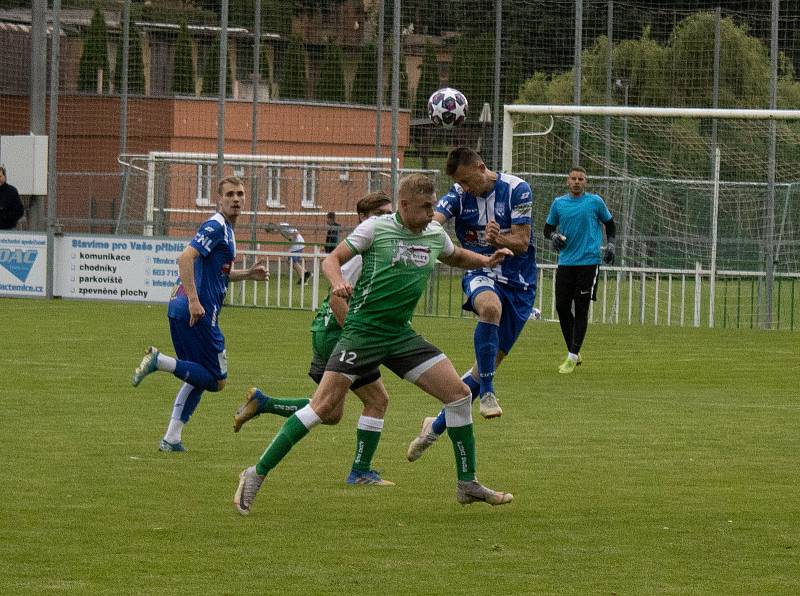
column 655, row 169
column 168, row 193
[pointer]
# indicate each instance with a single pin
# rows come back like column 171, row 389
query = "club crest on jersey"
column 411, row 254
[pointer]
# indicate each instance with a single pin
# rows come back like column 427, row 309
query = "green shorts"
column 322, row 345
column 408, row 357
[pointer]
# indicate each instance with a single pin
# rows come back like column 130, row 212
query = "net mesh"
column 656, row 175
column 171, row 193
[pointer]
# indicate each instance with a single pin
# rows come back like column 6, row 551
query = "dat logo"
column 18, row 262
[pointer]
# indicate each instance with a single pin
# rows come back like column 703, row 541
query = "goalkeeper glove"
column 608, row 254
column 558, row 241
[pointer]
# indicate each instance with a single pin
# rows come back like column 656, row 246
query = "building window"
column 309, row 197
column 273, row 179
column 202, row 197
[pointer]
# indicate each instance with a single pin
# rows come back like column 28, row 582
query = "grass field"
column 668, row 464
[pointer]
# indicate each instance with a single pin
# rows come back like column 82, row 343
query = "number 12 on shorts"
column 348, row 357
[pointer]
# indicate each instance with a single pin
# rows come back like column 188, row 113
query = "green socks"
column 464, row 447
column 292, row 431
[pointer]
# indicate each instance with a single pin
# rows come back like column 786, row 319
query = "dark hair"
column 578, row 169
column 371, row 202
column 461, row 156
column 235, row 180
column 332, row 214
column 414, row 185
column 3, row 169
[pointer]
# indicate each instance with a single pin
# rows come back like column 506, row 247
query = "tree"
column 183, row 68
column 276, row 15
column 135, row 63
column 94, row 57
column 387, row 96
column 211, row 70
column 428, row 81
column 365, row 81
column 294, row 79
column 330, row 85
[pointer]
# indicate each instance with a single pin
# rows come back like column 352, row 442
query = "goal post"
column 164, row 190
column 676, row 206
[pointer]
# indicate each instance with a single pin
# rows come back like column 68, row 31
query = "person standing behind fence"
column 298, row 244
column 11, row 209
column 205, row 268
column 332, row 235
column 574, row 227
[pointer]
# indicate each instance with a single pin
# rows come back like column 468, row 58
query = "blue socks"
column 196, row 375
column 486, row 339
column 439, row 425
column 190, row 405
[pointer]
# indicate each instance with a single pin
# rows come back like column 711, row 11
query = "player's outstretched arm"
column 466, row 259
column 257, row 272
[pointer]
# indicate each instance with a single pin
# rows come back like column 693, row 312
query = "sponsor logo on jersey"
column 203, row 241
column 411, row 254
column 523, row 210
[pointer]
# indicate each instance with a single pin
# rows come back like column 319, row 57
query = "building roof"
column 77, row 19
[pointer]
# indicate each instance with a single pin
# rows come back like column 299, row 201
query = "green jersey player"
column 399, row 252
column 326, row 329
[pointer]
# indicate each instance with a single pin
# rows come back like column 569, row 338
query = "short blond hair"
column 234, row 180
column 414, row 185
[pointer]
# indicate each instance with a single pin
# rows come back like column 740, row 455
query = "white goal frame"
column 151, row 159
column 631, row 111
column 635, row 111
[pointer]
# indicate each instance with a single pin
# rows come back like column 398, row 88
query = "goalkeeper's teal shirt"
column 580, row 219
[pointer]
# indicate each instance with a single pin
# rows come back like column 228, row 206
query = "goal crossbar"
column 631, row 111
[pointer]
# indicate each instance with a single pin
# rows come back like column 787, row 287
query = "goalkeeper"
column 574, row 226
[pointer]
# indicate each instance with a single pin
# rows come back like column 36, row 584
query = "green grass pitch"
column 667, row 464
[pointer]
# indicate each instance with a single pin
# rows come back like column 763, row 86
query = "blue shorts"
column 203, row 343
column 298, row 258
column 516, row 304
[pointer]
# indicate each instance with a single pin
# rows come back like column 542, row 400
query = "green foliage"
column 330, row 85
column 365, row 81
column 94, row 57
column 135, row 63
column 294, row 79
column 472, row 70
column 655, row 74
column 387, row 97
column 183, row 71
column 276, row 15
column 211, row 70
column 428, row 81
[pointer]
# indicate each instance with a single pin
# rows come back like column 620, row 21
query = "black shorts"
column 576, row 281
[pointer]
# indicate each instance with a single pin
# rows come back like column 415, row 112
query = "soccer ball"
column 447, row 108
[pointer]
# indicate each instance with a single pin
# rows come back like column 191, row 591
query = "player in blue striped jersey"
column 490, row 210
column 205, row 268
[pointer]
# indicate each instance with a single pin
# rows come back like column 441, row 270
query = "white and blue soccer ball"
column 447, row 107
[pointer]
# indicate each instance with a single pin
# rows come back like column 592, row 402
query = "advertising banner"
column 116, row 267
column 23, row 264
